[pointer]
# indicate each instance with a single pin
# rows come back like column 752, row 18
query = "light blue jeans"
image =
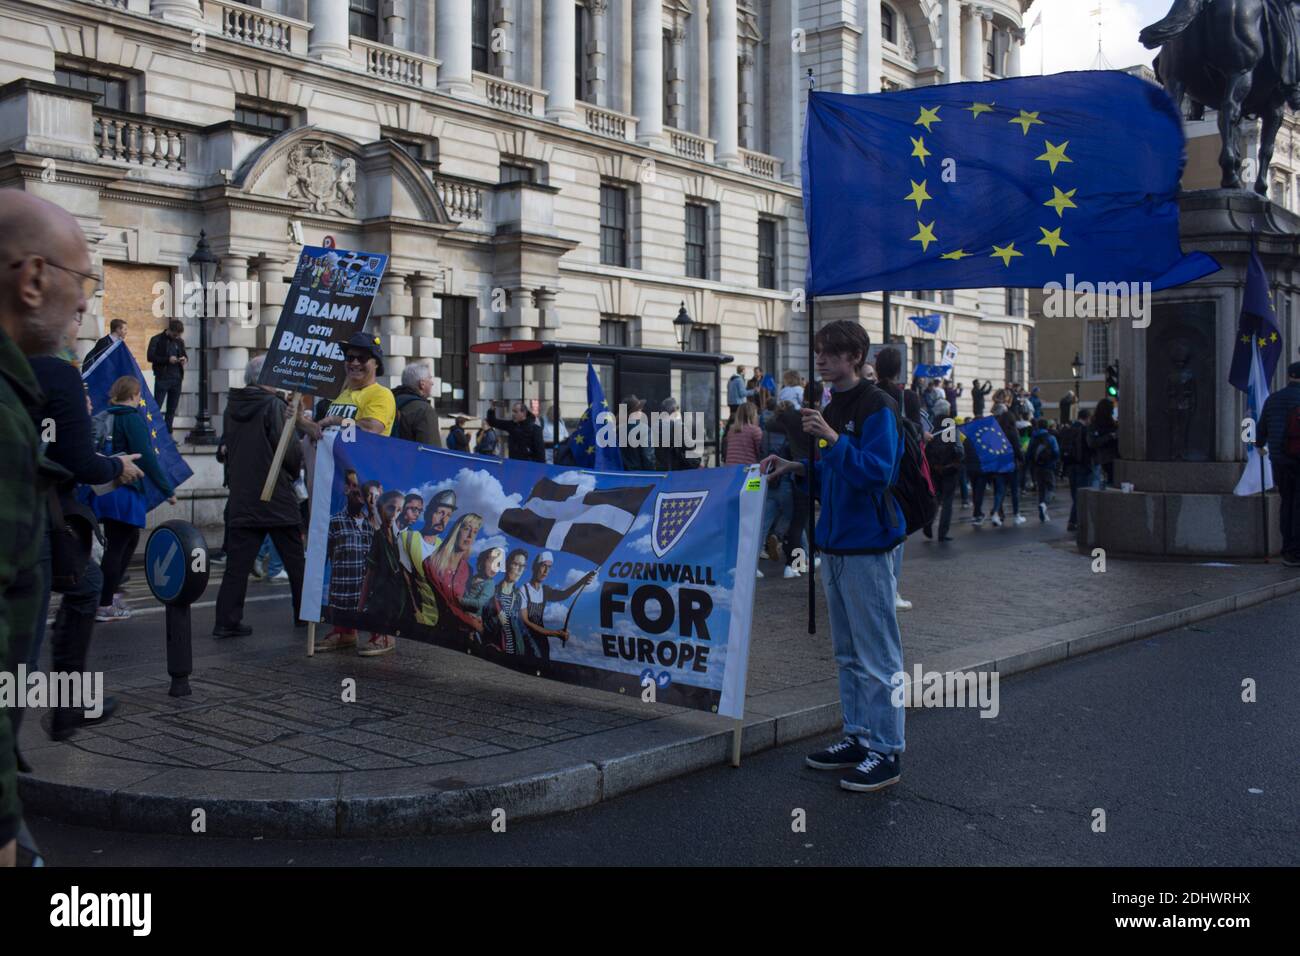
column 273, row 563
column 860, row 591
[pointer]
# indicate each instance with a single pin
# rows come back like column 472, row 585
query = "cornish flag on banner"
column 561, row 518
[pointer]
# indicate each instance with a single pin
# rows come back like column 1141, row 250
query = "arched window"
column 888, row 32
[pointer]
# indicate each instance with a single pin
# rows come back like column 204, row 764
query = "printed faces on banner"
column 329, row 299
column 586, row 578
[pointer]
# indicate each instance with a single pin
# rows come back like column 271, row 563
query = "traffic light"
column 1112, row 379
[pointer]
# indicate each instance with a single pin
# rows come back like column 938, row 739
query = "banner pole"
column 285, row 436
column 812, row 486
column 737, row 728
column 1263, row 505
column 311, row 638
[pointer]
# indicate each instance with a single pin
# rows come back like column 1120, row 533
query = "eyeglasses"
column 90, row 282
column 361, row 358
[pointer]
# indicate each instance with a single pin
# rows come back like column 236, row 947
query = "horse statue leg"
column 1237, row 89
column 1271, row 122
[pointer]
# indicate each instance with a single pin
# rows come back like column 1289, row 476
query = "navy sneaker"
column 847, row 753
column 875, row 772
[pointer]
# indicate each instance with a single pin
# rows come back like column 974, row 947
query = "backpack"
column 1291, row 441
column 1043, row 456
column 399, row 428
column 1073, row 445
column 943, row 457
column 914, row 488
column 101, row 427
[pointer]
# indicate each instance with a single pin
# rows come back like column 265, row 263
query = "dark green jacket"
column 128, row 422
column 22, row 531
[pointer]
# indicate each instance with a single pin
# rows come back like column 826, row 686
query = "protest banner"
column 603, row 579
column 329, row 299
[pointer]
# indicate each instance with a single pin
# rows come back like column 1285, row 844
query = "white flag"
column 1037, row 20
column 1256, row 478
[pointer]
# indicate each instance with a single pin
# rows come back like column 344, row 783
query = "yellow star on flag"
column 1272, row 336
column 153, row 432
column 975, row 109
column 918, row 192
column 1052, row 239
column 956, row 255
column 925, row 236
column 142, row 403
column 918, row 149
column 577, row 439
column 927, row 117
column 1027, row 120
column 604, row 403
column 1245, row 339
column 1055, row 155
column 1263, row 342
column 1061, row 201
column 1005, row 253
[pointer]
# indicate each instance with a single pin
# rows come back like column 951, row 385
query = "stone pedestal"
column 1180, row 421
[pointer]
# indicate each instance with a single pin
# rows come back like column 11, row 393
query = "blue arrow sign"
column 164, row 564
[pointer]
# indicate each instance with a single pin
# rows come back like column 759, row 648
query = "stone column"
column 596, row 44
column 272, row 291
column 950, row 33
column 972, row 53
column 1017, row 39
column 724, row 105
column 676, row 67
column 454, row 42
column 746, row 103
column 231, row 332
column 874, row 62
column 328, row 40
column 394, row 17
column 648, row 72
column 558, row 60
column 180, row 11
column 424, row 331
column 502, row 53
column 392, row 310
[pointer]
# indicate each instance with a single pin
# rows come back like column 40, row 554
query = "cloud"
column 585, row 481
column 478, row 491
column 641, row 545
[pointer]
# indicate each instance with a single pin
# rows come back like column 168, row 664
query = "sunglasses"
column 361, row 358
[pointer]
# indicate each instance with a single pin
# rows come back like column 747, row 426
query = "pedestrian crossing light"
column 1112, row 379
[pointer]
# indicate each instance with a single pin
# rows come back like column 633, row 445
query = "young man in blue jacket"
column 860, row 446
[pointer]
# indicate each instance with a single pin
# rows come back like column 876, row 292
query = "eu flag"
column 1256, row 329
column 113, row 363
column 927, row 323
column 996, row 456
column 1013, row 183
column 587, row 452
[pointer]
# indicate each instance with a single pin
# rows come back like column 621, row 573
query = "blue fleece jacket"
column 854, row 475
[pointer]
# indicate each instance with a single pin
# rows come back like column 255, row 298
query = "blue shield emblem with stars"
column 674, row 513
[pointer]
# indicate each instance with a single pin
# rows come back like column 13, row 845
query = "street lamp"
column 204, row 264
column 1076, row 367
column 682, row 326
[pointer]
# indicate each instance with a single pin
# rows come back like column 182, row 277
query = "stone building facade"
column 571, row 170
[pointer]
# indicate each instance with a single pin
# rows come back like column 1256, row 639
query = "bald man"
column 45, row 283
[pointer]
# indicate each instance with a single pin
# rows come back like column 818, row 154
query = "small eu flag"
column 113, row 363
column 1007, row 183
column 1257, row 329
column 586, row 450
column 927, row 323
column 996, row 456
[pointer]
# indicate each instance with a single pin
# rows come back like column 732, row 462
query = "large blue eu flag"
column 1013, row 183
column 995, row 454
column 113, row 363
column 1256, row 329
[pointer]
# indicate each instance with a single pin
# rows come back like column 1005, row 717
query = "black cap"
column 368, row 342
column 1293, row 370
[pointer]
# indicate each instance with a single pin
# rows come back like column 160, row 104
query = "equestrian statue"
column 1238, row 57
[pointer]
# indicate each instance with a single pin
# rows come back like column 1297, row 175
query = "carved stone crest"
column 325, row 181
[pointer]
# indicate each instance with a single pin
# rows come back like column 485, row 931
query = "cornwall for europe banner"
column 607, row 580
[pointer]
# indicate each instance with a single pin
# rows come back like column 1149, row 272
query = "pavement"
column 1153, row 733
column 437, row 742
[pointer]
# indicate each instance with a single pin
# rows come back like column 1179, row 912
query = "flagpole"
column 1263, row 502
column 812, row 448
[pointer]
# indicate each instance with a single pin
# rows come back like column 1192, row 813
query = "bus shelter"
column 652, row 375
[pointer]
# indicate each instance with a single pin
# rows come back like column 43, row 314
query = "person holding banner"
column 537, row 595
column 363, row 399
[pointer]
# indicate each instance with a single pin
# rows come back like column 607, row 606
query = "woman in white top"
column 548, row 434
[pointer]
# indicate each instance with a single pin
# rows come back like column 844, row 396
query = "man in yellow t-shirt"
column 363, row 399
